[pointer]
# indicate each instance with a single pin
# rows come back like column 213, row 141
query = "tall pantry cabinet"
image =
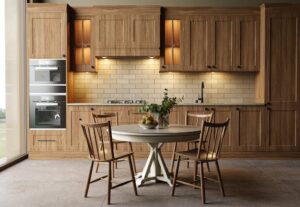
column 280, row 35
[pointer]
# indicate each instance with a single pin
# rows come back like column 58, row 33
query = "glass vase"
column 162, row 120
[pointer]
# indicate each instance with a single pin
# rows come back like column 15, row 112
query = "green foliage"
column 2, row 114
column 165, row 107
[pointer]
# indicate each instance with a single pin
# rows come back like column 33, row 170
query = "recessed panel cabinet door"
column 283, row 128
column 246, row 53
column 111, row 31
column 283, row 65
column 46, row 34
column 198, row 46
column 145, row 31
column 221, row 43
column 249, row 129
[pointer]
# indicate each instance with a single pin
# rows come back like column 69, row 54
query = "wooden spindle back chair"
column 100, row 145
column 193, row 119
column 213, row 136
column 113, row 118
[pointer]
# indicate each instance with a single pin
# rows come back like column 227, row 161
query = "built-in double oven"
column 47, row 92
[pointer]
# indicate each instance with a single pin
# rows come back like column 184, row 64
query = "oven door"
column 49, row 113
column 44, row 71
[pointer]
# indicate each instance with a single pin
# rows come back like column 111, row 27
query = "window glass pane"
column 12, row 90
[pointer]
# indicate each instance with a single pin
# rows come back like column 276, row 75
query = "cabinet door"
column 111, row 32
column 46, row 34
column 249, row 129
column 246, row 40
column 282, row 59
column 76, row 138
column 145, row 31
column 221, row 114
column 197, row 47
column 283, row 128
column 221, row 43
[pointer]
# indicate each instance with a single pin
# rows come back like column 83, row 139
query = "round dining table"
column 155, row 168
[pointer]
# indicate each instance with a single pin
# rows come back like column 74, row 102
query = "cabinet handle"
column 206, row 109
column 92, row 66
column 214, row 66
column 209, row 66
column 163, row 66
column 92, row 109
column 46, row 140
column 237, row 109
column 239, row 66
column 213, row 109
column 64, row 55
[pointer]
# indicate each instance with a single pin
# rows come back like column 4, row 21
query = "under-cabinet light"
column 104, row 57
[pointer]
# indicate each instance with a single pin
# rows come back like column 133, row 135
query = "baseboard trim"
column 12, row 163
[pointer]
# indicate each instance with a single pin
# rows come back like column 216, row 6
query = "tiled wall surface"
column 140, row 79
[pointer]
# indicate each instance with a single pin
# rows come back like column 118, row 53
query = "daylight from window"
column 2, row 80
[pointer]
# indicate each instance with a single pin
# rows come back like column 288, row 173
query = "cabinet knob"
column 209, row 66
column 163, row 66
column 92, row 109
column 239, row 66
column 214, row 66
column 213, row 109
column 206, row 109
column 269, row 108
column 237, row 109
column 64, row 55
column 92, row 66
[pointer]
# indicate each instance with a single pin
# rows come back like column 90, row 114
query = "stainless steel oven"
column 47, row 71
column 47, row 110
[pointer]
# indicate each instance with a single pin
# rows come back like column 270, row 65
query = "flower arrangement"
column 161, row 111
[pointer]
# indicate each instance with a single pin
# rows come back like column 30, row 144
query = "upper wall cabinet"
column 127, row 31
column 82, row 48
column 46, row 31
column 215, row 40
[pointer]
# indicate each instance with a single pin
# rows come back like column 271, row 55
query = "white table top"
column 134, row 133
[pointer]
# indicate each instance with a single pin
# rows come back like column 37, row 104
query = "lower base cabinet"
column 254, row 131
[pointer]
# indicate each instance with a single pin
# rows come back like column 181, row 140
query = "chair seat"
column 192, row 155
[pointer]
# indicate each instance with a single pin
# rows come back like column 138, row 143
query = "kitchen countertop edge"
column 183, row 104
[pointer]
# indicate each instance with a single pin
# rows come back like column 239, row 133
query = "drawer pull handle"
column 46, row 140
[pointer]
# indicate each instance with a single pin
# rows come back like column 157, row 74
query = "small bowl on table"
column 148, row 126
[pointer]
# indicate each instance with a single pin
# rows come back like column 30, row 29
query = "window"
column 12, row 81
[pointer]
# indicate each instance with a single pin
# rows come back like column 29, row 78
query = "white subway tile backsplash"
column 140, row 79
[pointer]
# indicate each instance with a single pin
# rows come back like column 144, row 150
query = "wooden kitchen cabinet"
column 212, row 40
column 82, row 49
column 47, row 141
column 75, row 139
column 283, row 128
column 127, row 31
column 246, row 43
column 46, row 31
column 249, row 129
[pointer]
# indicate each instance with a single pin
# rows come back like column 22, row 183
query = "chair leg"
column 132, row 174
column 89, row 180
column 173, row 157
column 196, row 172
column 208, row 168
column 176, row 175
column 202, row 182
column 109, row 182
column 220, row 179
column 133, row 159
column 113, row 168
column 188, row 162
column 97, row 168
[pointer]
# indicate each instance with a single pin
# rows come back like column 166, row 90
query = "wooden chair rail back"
column 213, row 137
column 99, row 140
column 105, row 117
column 199, row 118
